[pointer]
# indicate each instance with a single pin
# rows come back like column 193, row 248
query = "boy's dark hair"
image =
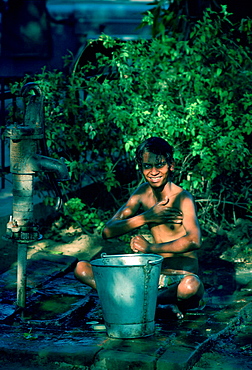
column 155, row 145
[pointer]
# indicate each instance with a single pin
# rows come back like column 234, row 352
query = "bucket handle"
column 152, row 262
column 103, row 256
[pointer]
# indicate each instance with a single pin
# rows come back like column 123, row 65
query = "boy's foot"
column 171, row 310
column 199, row 307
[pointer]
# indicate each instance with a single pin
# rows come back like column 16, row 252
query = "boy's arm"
column 190, row 241
column 126, row 218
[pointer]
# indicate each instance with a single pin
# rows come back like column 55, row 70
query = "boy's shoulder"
column 142, row 191
column 185, row 193
column 142, row 188
column 179, row 190
column 181, row 194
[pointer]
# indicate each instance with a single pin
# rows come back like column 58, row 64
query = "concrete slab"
column 40, row 268
column 118, row 360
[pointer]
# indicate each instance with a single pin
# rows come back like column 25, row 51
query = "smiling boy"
column 169, row 211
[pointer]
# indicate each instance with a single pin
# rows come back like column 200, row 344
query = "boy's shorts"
column 166, row 280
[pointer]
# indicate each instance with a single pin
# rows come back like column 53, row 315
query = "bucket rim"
column 158, row 258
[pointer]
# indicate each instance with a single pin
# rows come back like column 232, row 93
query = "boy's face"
column 155, row 169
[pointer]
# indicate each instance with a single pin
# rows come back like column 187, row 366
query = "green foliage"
column 194, row 93
column 87, row 218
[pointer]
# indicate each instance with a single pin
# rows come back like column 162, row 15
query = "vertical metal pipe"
column 21, row 274
column 23, row 199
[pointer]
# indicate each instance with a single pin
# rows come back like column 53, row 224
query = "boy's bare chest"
column 148, row 201
column 167, row 231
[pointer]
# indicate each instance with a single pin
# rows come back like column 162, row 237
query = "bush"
column 194, row 93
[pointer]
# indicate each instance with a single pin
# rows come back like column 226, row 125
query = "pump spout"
column 38, row 163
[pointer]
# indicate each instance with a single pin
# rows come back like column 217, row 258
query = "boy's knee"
column 84, row 273
column 81, row 269
column 189, row 286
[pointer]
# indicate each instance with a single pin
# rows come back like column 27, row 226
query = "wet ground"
column 62, row 325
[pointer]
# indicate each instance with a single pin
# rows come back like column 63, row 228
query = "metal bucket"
column 127, row 286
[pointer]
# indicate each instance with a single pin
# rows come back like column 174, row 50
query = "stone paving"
column 62, row 325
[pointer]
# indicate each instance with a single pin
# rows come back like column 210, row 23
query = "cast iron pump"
column 25, row 163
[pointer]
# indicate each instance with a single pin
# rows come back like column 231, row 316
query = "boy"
column 169, row 211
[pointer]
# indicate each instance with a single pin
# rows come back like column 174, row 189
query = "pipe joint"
column 39, row 163
column 22, row 234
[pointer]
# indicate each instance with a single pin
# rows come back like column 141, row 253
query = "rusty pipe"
column 21, row 274
column 21, row 226
column 25, row 163
column 38, row 163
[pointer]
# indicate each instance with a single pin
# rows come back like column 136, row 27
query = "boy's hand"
column 140, row 244
column 162, row 213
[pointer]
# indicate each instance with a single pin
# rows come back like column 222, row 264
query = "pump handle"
column 31, row 86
